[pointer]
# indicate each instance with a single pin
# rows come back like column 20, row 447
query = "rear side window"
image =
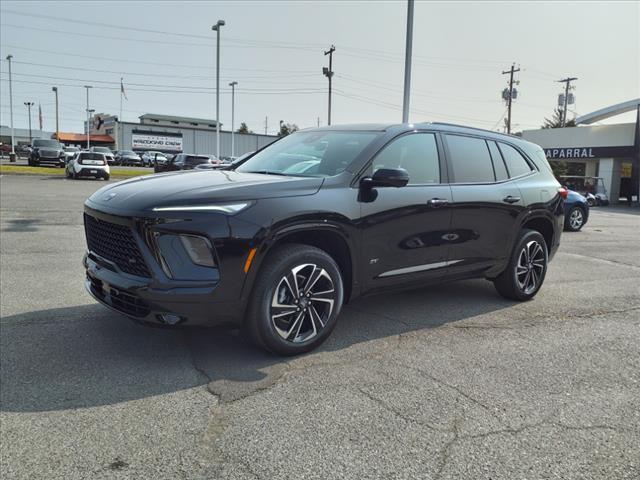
column 516, row 164
column 91, row 156
column 191, row 160
column 498, row 164
column 417, row 153
column 470, row 159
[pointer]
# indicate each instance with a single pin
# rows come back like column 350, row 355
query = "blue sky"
column 274, row 50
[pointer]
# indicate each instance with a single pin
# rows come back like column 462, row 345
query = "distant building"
column 173, row 134
column 607, row 151
column 21, row 135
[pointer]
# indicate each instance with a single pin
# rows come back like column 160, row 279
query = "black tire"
column 522, row 279
column 315, row 318
column 106, row 177
column 591, row 202
column 574, row 219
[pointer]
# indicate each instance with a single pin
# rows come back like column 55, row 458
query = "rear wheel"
column 296, row 300
column 527, row 268
column 574, row 219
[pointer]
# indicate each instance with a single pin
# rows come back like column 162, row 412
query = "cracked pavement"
column 445, row 382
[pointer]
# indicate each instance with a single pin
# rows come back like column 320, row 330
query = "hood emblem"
column 109, row 196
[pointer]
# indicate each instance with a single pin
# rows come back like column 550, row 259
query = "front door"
column 405, row 231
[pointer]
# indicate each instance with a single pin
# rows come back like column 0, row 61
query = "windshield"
column 127, row 152
column 101, row 149
column 310, row 154
column 46, row 143
column 71, row 149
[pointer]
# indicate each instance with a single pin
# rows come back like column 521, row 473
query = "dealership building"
column 610, row 151
column 172, row 134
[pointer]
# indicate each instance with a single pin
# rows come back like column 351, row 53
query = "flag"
column 122, row 90
column 40, row 115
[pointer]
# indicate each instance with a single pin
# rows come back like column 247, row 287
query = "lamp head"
column 219, row 24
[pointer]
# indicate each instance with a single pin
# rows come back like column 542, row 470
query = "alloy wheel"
column 302, row 303
column 530, row 267
column 576, row 219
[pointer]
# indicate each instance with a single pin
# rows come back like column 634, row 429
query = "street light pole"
column 216, row 28
column 407, row 63
column 13, row 140
column 233, row 106
column 55, row 90
column 88, row 117
column 29, row 105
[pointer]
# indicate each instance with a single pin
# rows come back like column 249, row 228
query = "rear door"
column 404, row 230
column 486, row 204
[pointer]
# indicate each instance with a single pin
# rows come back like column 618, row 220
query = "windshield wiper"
column 269, row 172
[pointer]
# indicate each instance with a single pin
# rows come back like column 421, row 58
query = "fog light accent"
column 170, row 318
column 198, row 249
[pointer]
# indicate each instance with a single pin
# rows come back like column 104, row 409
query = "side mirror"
column 387, row 177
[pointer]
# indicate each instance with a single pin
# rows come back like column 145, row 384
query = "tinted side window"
column 470, row 160
column 498, row 164
column 417, row 153
column 516, row 163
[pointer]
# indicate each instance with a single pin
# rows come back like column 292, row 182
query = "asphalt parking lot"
column 447, row 382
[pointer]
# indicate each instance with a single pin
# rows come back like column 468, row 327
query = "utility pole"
column 511, row 71
column 12, row 157
column 567, row 83
column 29, row 105
column 318, row 122
column 407, row 63
column 88, row 117
column 233, row 101
column 55, row 90
column 266, row 124
column 328, row 72
column 216, row 28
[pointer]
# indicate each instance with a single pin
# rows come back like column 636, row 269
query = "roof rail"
column 474, row 128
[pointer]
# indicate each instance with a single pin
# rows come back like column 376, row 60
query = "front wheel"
column 527, row 268
column 295, row 301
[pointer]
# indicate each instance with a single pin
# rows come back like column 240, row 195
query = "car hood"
column 197, row 187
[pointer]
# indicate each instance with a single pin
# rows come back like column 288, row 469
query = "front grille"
column 115, row 243
column 123, row 301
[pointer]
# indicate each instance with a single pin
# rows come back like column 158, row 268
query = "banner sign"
column 156, row 141
column 588, row 152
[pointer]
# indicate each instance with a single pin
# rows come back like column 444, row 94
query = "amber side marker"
column 247, row 264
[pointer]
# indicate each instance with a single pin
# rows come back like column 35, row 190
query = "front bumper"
column 146, row 300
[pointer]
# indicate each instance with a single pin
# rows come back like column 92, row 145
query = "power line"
column 143, row 62
column 245, row 92
column 146, row 74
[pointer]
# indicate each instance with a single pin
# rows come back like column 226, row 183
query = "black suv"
column 281, row 241
column 47, row 151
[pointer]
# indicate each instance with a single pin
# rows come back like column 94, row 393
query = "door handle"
column 510, row 199
column 437, row 202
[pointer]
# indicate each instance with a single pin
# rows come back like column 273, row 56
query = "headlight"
column 228, row 208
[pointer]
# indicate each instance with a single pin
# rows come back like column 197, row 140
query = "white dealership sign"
column 147, row 141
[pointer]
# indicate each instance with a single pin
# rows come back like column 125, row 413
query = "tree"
column 287, row 128
column 556, row 120
column 243, row 128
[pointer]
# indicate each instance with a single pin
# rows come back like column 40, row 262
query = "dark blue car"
column 576, row 211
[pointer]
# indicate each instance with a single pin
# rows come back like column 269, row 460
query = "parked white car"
column 88, row 164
